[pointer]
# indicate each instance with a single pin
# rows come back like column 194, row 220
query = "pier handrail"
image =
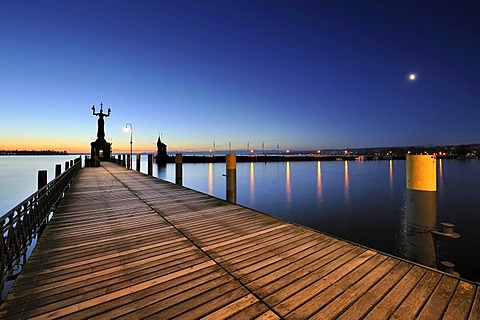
column 25, row 221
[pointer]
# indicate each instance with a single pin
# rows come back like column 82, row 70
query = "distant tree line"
column 445, row 151
column 31, row 152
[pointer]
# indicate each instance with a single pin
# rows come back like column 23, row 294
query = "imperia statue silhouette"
column 100, row 149
column 101, row 122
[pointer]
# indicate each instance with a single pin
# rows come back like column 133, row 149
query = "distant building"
column 162, row 156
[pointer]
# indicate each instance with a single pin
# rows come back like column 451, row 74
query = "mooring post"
column 42, row 179
column 232, row 178
column 421, row 208
column 178, row 169
column 58, row 170
column 129, row 162
column 150, row 164
column 138, row 162
column 67, row 165
column 71, row 163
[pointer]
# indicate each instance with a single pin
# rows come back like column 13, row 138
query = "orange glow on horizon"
column 72, row 147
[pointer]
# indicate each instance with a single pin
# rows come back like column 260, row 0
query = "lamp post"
column 131, row 142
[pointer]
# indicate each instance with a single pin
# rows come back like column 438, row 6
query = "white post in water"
column 421, row 208
column 232, row 178
column 178, row 169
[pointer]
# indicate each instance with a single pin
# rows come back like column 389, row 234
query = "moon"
column 412, row 77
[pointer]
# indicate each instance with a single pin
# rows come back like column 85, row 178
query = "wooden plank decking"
column 125, row 245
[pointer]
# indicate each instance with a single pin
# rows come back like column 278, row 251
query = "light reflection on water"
column 390, row 173
column 252, row 184
column 319, row 184
column 210, row 178
column 288, row 188
column 347, row 184
column 361, row 201
column 440, row 174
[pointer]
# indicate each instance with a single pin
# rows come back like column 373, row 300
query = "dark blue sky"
column 301, row 74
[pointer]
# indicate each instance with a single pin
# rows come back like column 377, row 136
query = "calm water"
column 361, row 201
column 19, row 174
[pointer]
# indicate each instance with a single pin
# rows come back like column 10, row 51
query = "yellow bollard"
column 422, row 172
column 421, row 208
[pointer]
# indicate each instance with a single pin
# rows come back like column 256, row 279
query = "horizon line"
column 210, row 151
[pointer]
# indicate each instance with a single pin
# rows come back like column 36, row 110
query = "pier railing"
column 21, row 225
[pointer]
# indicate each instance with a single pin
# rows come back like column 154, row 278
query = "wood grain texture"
column 126, row 245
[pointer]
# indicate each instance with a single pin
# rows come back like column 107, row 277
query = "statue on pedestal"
column 101, row 122
column 100, row 149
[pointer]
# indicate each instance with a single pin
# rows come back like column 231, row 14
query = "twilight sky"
column 301, row 74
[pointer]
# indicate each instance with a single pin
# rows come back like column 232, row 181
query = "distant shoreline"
column 449, row 151
column 33, row 153
column 287, row 158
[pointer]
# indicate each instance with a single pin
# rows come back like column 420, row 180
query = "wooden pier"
column 126, row 245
